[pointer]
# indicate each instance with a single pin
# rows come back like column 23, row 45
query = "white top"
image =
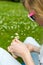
column 7, row 59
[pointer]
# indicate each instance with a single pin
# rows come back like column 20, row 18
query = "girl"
column 35, row 8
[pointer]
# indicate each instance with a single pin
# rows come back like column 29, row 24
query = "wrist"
column 27, row 58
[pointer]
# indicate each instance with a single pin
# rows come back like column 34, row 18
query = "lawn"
column 15, row 23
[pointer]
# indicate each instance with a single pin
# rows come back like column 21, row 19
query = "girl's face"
column 39, row 20
column 36, row 18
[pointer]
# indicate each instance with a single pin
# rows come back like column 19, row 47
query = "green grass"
column 14, row 22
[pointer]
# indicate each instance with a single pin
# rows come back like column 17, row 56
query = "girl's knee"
column 30, row 38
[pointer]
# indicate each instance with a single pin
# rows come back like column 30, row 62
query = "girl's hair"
column 36, row 5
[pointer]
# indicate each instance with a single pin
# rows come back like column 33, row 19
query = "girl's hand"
column 21, row 50
column 18, row 48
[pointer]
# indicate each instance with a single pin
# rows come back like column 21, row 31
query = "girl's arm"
column 36, row 49
column 33, row 48
column 28, row 59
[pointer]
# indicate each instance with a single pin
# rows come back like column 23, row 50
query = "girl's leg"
column 7, row 59
column 30, row 40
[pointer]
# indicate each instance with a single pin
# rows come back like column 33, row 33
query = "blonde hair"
column 36, row 5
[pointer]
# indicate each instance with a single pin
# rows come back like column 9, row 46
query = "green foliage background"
column 14, row 22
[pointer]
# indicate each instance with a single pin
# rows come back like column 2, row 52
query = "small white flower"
column 17, row 37
column 12, row 36
column 16, row 34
